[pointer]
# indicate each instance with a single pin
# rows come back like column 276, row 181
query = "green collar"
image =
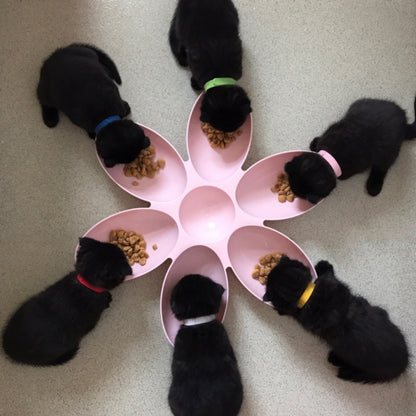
column 218, row 82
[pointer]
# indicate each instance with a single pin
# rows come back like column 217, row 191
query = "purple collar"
column 332, row 162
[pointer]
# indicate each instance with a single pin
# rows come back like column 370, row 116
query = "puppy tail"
column 411, row 128
column 105, row 61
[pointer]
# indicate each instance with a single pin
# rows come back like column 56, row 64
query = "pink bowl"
column 195, row 260
column 247, row 244
column 168, row 183
column 255, row 197
column 216, row 164
column 155, row 226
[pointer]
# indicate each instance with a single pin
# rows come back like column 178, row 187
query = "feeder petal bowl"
column 194, row 260
column 247, row 244
column 156, row 227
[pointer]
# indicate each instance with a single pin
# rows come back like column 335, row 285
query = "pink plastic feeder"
column 206, row 214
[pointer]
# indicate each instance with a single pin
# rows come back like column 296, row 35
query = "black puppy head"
column 225, row 108
column 121, row 142
column 310, row 177
column 195, row 295
column 101, row 264
column 285, row 285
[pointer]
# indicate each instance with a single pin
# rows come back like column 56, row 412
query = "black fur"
column 368, row 137
column 365, row 345
column 204, row 35
column 205, row 376
column 78, row 80
column 47, row 328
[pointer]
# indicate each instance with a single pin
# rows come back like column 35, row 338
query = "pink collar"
column 332, row 162
column 89, row 285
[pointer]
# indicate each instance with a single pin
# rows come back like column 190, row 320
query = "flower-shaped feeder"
column 206, row 213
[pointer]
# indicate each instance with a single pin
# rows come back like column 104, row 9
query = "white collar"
column 199, row 320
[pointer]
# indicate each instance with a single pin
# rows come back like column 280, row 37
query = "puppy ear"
column 313, row 144
column 204, row 117
column 247, row 108
column 87, row 242
column 267, row 297
column 289, row 167
column 109, row 163
column 313, row 198
column 220, row 290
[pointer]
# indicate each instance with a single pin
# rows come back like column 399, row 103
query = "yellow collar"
column 306, row 295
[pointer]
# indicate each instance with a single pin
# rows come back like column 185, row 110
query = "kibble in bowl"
column 282, row 188
column 132, row 244
column 267, row 263
column 218, row 138
column 144, row 165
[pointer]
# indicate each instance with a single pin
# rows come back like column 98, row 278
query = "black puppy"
column 365, row 345
column 369, row 136
column 205, row 376
column 78, row 80
column 47, row 328
column 204, row 35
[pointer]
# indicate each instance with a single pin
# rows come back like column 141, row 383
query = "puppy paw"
column 334, row 359
column 127, row 109
column 50, row 116
column 375, row 181
column 313, row 144
column 322, row 267
column 109, row 299
column 195, row 85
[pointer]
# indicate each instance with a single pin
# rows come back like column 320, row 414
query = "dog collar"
column 218, row 82
column 306, row 295
column 89, row 285
column 199, row 320
column 333, row 163
column 106, row 122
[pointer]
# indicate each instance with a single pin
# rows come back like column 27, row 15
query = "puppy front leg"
column 108, row 300
column 195, row 85
column 126, row 109
column 323, row 267
column 334, row 359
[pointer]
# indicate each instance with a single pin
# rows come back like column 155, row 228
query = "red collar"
column 89, row 285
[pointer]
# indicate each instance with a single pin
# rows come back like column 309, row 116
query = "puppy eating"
column 205, row 376
column 369, row 136
column 47, row 329
column 79, row 81
column 365, row 345
column 204, row 36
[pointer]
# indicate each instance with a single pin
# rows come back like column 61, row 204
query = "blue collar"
column 106, row 122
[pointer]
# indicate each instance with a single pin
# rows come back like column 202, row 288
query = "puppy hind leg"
column 50, row 116
column 375, row 180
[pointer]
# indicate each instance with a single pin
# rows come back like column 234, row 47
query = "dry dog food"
column 267, row 262
column 154, row 247
column 218, row 138
column 132, row 244
column 144, row 165
column 282, row 188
